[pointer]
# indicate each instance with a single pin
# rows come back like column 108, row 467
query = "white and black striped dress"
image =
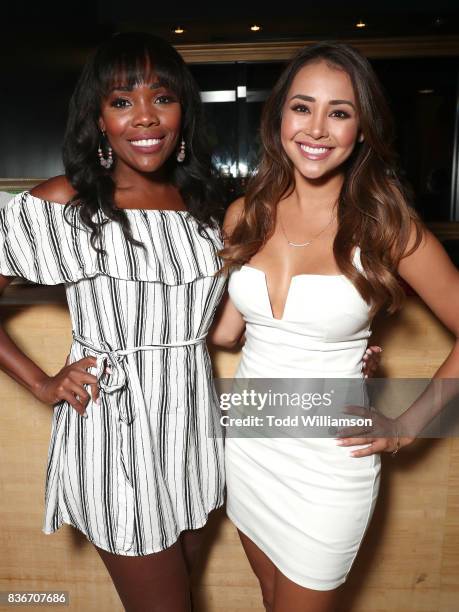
column 147, row 462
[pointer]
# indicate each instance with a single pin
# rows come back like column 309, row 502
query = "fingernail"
column 366, row 376
column 85, row 415
column 98, row 401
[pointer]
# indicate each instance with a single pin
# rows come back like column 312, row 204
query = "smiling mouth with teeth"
column 315, row 150
column 150, row 142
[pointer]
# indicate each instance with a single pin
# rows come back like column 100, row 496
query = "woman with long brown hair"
column 315, row 249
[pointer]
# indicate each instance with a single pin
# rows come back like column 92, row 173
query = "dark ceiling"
column 39, row 31
column 230, row 22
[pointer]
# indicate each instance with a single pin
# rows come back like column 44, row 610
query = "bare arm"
column 68, row 383
column 13, row 361
column 431, row 273
column 228, row 327
column 436, row 280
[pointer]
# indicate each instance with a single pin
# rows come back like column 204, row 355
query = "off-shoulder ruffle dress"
column 147, row 463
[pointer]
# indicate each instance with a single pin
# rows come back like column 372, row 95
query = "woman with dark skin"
column 131, row 231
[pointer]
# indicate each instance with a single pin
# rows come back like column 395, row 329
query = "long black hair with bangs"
column 129, row 58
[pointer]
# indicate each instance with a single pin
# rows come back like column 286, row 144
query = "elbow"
column 224, row 341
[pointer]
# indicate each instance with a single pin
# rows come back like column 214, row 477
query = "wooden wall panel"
column 410, row 558
column 412, row 46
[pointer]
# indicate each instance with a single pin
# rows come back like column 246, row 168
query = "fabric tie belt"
column 105, row 356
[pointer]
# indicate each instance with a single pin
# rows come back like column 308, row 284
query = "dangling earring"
column 105, row 162
column 181, row 154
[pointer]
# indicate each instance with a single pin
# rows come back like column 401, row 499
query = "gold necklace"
column 302, row 244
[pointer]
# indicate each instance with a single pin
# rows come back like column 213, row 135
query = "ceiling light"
column 425, row 91
column 255, row 28
column 360, row 24
column 179, row 30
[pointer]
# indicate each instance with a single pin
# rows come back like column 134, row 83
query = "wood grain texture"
column 412, row 46
column 409, row 561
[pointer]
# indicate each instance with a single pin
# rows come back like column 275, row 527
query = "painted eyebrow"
column 332, row 102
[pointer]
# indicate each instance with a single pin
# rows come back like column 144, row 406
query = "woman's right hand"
column 68, row 384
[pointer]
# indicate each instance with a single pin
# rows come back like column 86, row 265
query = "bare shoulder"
column 431, row 273
column 420, row 241
column 426, row 260
column 233, row 214
column 57, row 189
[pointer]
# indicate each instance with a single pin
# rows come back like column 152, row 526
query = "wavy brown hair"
column 373, row 211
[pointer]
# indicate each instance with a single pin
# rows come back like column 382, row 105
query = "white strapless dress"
column 305, row 502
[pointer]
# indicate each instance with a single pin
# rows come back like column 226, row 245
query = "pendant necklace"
column 302, row 244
